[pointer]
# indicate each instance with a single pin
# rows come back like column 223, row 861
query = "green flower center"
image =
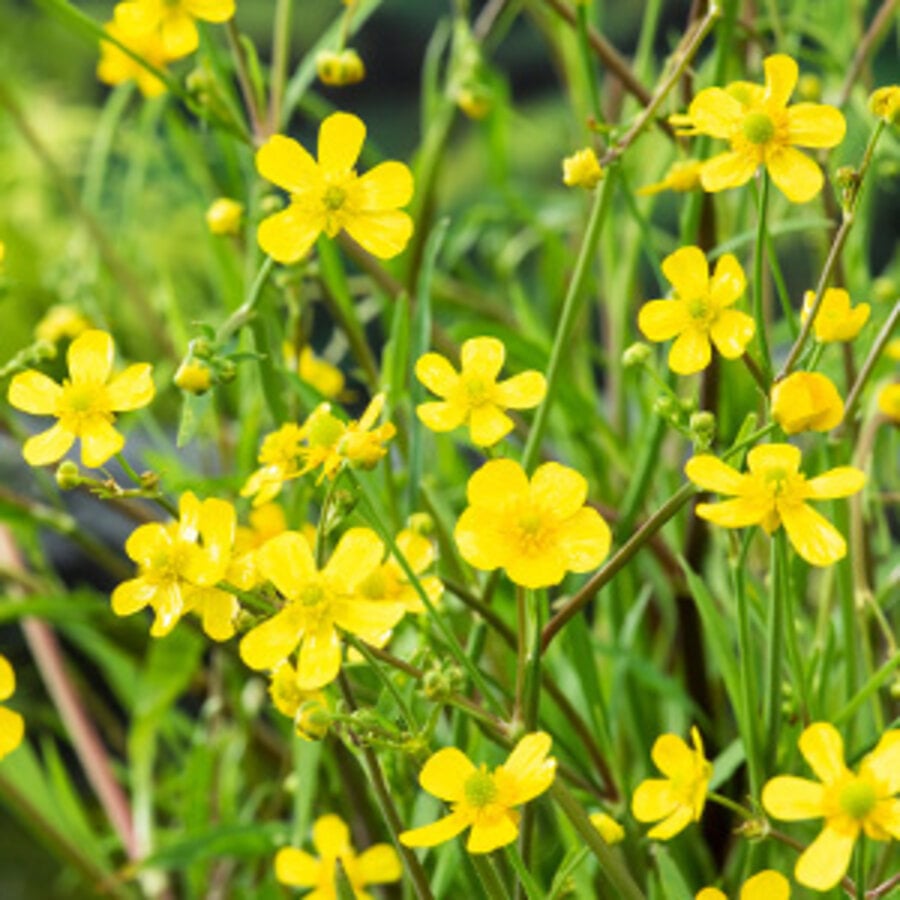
column 479, row 789
column 477, row 391
column 334, row 197
column 698, row 308
column 325, row 430
column 311, row 594
column 82, row 398
column 857, row 799
column 758, row 128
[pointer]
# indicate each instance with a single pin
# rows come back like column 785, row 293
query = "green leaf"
column 240, row 841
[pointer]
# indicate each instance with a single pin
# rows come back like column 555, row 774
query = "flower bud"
column 610, row 830
column 224, row 216
column 885, row 103
column 68, row 475
column 636, row 355
column 313, row 719
column 703, row 429
column 193, row 376
column 582, row 169
column 806, row 401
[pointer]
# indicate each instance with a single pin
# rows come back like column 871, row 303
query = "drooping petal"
column 331, row 836
column 824, row 862
column 358, row 552
column 388, row 186
column 445, row 773
column 840, row 482
column 7, row 679
column 488, row 424
column 383, row 234
column 728, row 281
column 731, row 332
column 522, row 391
column 781, row 78
column 441, row 417
column 480, row 538
column 99, row 442
column 815, row 125
column 766, row 885
column 320, row 658
column 496, row 483
column 690, row 353
column 738, row 513
column 379, row 864
column 711, row 474
column 35, row 393
column 12, row 730
column 272, row 641
column 727, row 170
column 287, row 236
column 90, row 357
column 48, row 446
column 437, row 374
column 765, row 458
column 584, row 539
column 795, row 174
column 654, row 799
column 296, row 868
column 482, row 358
column 132, row 388
column 437, row 832
column 715, row 112
column 661, row 320
column 528, row 771
column 823, row 748
column 688, row 272
column 131, row 596
column 489, row 833
column 812, row 535
column 793, row 799
column 287, row 561
column 341, row 137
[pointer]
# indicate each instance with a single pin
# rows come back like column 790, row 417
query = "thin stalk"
column 729, row 804
column 861, row 868
column 490, row 880
column 774, row 644
column 757, row 373
column 129, row 470
column 879, row 25
column 521, row 651
column 362, row 648
column 281, row 40
column 587, row 62
column 245, row 312
column 872, row 685
column 527, row 884
column 793, row 646
column 759, row 256
column 244, row 82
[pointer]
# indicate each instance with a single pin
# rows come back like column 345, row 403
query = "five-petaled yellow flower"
column 317, row 603
column 836, row 319
column 765, row 885
column 473, row 396
column 172, row 20
column 481, row 799
column 331, row 838
column 678, row 799
column 774, row 492
column 849, row 803
column 537, row 530
column 328, row 196
column 85, row 403
column 806, row 401
column 699, row 311
column 12, row 725
column 764, row 131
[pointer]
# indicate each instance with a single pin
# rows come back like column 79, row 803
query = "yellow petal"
column 812, row 535
column 737, row 513
column 287, row 561
column 727, row 170
column 416, row 549
column 806, row 401
column 388, row 186
column 12, row 731
column 99, row 442
column 496, row 483
column 48, row 446
column 341, row 137
column 796, row 175
column 136, row 18
column 793, row 799
column 840, row 482
column 488, row 834
column 90, row 357
column 688, row 272
column 272, row 641
column 437, row 832
column 766, row 885
column 781, row 78
column 765, row 458
column 715, row 112
column 331, row 836
column 296, row 868
column 35, row 393
column 441, row 417
column 7, row 678
column 320, row 658
column 825, row 861
column 482, row 358
column 823, row 748
column 131, row 596
column 728, row 281
column 541, row 568
column 218, row 610
column 358, row 552
column 217, row 526
column 711, row 474
column 488, row 425
column 383, row 234
column 168, row 606
column 210, row 10
column 731, row 332
column 288, row 235
column 672, row 756
column 883, row 762
column 369, row 620
column 584, row 540
column 654, row 799
column 286, row 163
column 147, row 542
column 528, row 771
column 710, row 894
column 672, row 825
column 132, row 388
column 522, row 391
column 481, row 540
column 380, row 864
column 815, row 125
column 690, row 353
column 436, row 373
column 661, row 320
column 179, row 34
column 445, row 773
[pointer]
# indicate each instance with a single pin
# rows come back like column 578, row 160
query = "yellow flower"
column 889, row 401
column 116, row 66
column 763, row 130
column 179, row 565
column 388, row 583
column 774, row 492
column 12, row 725
column 331, row 838
column 224, row 216
column 850, row 803
column 329, row 196
column 699, row 311
column 84, row 403
column 317, row 603
column 193, row 376
column 765, row 885
column 481, row 799
column 308, row 709
column 836, row 320
column 610, row 830
column 683, row 175
column 582, row 169
column 326, row 378
column 61, row 323
column 885, row 103
column 536, row 530
column 679, row 798
column 474, row 397
column 280, row 458
column 806, row 401
column 172, row 20
column 340, row 69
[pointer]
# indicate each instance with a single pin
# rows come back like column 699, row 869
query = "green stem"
column 527, row 882
column 363, row 649
column 774, row 642
column 244, row 81
column 759, row 254
column 861, row 868
column 793, row 646
column 873, row 684
column 869, row 365
column 244, row 313
column 736, row 808
column 490, row 880
column 281, row 39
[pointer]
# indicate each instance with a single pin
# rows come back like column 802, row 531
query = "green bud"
column 703, row 429
column 68, row 476
column 636, row 355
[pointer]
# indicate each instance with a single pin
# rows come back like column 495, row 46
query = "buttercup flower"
column 389, row 582
column 806, row 401
column 473, row 396
column 764, row 131
column 849, row 803
column 683, row 175
column 224, row 216
column 699, row 311
column 481, row 799
column 610, row 830
column 280, row 458
column 836, row 320
column 116, row 66
column 885, row 103
column 328, row 196
column 179, row 564
column 172, row 20
column 774, row 492
column 537, row 530
column 61, row 323
column 331, row 838
column 317, row 603
column 582, row 169
column 889, row 401
column 84, row 404
column 765, row 885
column 12, row 725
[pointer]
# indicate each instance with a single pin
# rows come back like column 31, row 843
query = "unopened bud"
column 636, row 355
column 703, row 429
column 68, row 475
column 193, row 376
